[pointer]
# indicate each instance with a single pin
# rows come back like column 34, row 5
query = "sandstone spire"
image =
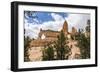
column 65, row 27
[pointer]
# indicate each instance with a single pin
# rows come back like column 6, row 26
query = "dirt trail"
column 75, row 51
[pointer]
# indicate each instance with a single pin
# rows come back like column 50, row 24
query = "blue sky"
column 32, row 16
column 34, row 21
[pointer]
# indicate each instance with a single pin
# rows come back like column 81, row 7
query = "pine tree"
column 26, row 47
column 61, row 47
column 48, row 52
column 84, row 42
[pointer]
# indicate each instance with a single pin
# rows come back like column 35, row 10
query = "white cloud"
column 53, row 25
column 33, row 30
column 57, row 17
column 76, row 20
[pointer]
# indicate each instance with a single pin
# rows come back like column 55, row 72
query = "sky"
column 34, row 21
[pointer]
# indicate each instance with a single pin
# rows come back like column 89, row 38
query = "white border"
column 22, row 64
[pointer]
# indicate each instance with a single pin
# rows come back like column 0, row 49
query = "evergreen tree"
column 88, row 26
column 48, row 52
column 61, row 47
column 26, row 47
column 84, row 42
